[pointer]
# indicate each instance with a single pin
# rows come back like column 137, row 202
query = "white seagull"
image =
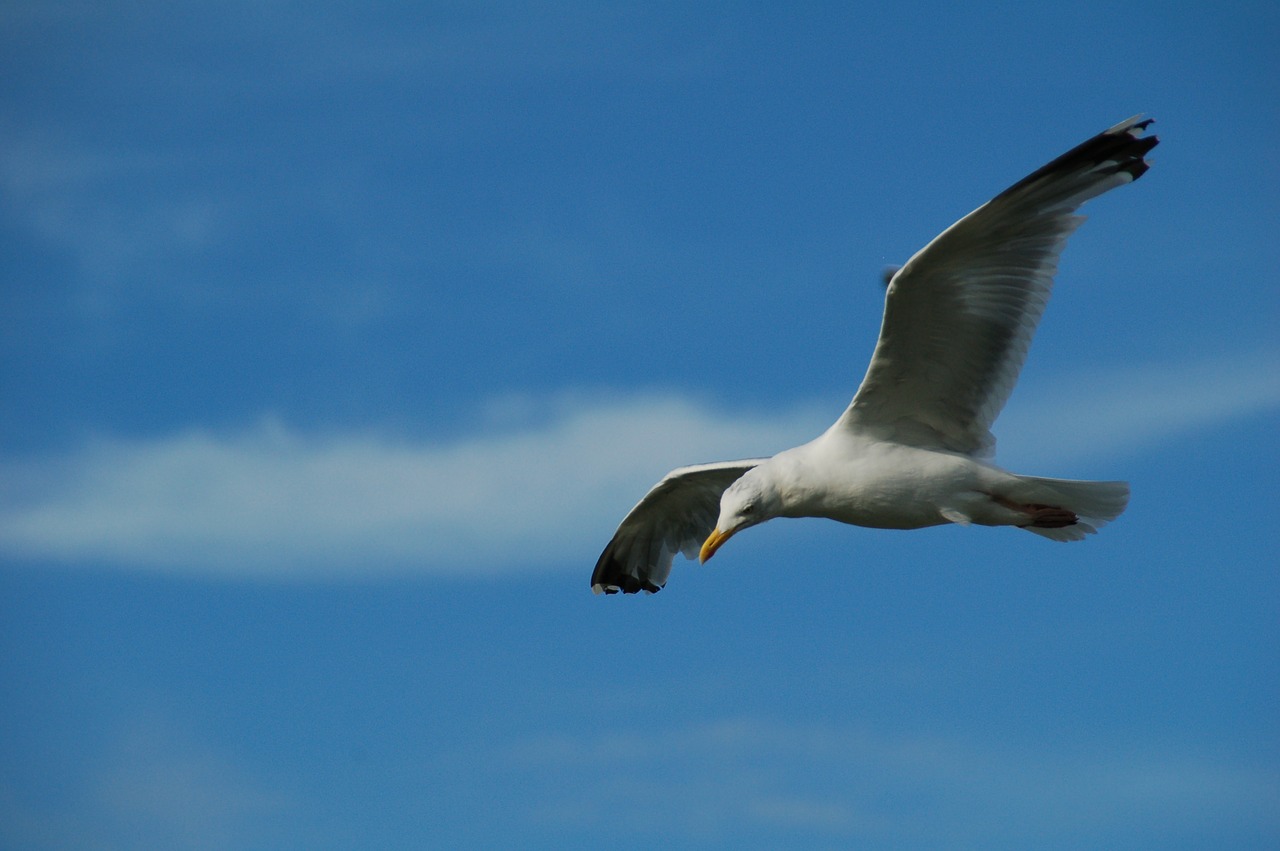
column 914, row 448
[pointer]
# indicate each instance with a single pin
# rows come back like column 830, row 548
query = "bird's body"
column 914, row 447
column 901, row 487
column 906, row 487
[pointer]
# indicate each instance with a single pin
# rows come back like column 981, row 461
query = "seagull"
column 914, row 447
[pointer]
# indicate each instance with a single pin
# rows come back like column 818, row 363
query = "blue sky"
column 336, row 339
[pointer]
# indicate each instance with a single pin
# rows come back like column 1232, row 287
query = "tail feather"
column 1095, row 504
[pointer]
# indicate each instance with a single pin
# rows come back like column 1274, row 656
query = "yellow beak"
column 713, row 542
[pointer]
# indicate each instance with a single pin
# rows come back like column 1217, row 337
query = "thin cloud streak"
column 1106, row 415
column 831, row 780
column 272, row 502
column 157, row 779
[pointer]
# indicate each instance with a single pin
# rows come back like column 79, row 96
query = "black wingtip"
column 1137, row 147
column 1122, row 147
column 611, row 576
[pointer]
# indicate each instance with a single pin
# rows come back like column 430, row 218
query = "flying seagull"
column 914, row 447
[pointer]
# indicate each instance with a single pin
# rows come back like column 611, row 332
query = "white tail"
column 1095, row 503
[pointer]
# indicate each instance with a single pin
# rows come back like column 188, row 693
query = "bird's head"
column 750, row 500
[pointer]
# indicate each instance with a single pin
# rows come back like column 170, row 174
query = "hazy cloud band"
column 274, row 502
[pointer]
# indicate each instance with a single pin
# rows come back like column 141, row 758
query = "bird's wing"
column 676, row 515
column 959, row 316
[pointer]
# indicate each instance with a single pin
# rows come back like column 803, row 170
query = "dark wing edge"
column 1117, row 150
column 676, row 515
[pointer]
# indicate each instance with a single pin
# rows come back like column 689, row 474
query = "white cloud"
column 273, row 502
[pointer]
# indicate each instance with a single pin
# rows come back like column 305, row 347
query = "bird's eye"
column 748, row 508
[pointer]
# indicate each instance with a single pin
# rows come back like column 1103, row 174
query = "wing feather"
column 676, row 515
column 959, row 316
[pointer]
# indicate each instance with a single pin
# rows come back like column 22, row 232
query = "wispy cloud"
column 100, row 209
column 866, row 782
column 1102, row 415
column 153, row 781
column 272, row 501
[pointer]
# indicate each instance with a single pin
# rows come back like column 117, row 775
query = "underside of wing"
column 675, row 516
column 959, row 316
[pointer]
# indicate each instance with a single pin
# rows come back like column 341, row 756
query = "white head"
column 750, row 500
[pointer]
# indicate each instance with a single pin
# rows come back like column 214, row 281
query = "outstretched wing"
column 959, row 316
column 676, row 515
